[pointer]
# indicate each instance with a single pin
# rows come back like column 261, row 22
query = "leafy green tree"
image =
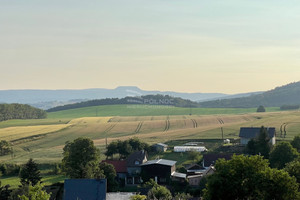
column 296, row 142
column 260, row 145
column 282, row 154
column 138, row 197
column 261, row 109
column 5, row 147
column 35, row 193
column 159, row 192
column 110, row 174
column 30, row 174
column 245, row 177
column 81, row 158
column 182, row 196
column 293, row 168
column 112, row 149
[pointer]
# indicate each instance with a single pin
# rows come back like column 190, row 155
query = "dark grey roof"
column 211, row 158
column 160, row 162
column 252, row 132
column 136, row 156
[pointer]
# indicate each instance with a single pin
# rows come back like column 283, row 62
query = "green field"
column 146, row 110
column 44, row 139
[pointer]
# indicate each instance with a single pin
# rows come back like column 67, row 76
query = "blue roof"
column 92, row 189
column 252, row 132
column 160, row 162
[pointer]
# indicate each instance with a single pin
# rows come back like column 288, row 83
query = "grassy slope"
column 47, row 147
column 144, row 110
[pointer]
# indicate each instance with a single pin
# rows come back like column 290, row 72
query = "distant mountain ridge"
column 46, row 99
column 284, row 95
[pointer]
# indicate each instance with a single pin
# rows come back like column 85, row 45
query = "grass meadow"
column 43, row 140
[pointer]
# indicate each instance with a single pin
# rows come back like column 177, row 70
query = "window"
column 136, row 162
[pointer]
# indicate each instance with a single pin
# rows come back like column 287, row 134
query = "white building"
column 189, row 148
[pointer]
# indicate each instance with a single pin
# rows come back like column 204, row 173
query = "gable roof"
column 138, row 156
column 194, row 167
column 252, row 132
column 160, row 162
column 119, row 165
column 211, row 158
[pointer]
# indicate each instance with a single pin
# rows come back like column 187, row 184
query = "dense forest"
column 164, row 100
column 20, row 111
column 284, row 95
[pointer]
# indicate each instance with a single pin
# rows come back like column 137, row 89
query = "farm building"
column 160, row 170
column 160, row 147
column 189, row 148
column 248, row 133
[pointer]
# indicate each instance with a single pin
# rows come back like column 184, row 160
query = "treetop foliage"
column 20, row 111
column 30, row 174
column 148, row 99
column 250, row 177
column 126, row 147
column 80, row 158
column 282, row 154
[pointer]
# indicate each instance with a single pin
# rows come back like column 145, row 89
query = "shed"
column 160, row 147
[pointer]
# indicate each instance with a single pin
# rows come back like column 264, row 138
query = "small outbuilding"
column 160, row 147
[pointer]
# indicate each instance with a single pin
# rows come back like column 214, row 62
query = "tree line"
column 20, row 111
column 148, row 100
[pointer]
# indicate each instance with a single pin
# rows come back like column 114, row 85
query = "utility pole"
column 222, row 133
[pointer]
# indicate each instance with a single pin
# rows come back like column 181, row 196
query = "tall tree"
column 81, row 159
column 260, row 145
column 30, row 174
column 296, row 142
column 245, row 177
column 293, row 168
column 282, row 154
column 110, row 174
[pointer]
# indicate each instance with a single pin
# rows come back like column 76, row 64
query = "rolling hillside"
column 284, row 95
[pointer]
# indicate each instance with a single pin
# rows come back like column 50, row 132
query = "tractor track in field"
column 220, row 121
column 167, row 126
column 195, row 124
column 139, row 126
column 110, row 128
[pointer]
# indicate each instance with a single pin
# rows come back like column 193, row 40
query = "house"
column 194, row 180
column 160, row 147
column 195, row 169
column 120, row 167
column 133, row 163
column 85, row 189
column 211, row 158
column 160, row 170
column 248, row 133
column 189, row 148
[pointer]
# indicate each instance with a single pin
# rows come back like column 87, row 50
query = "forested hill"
column 164, row 100
column 284, row 95
column 20, row 111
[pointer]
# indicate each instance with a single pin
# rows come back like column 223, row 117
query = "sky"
column 231, row 46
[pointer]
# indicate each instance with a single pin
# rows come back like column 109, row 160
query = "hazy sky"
column 228, row 46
